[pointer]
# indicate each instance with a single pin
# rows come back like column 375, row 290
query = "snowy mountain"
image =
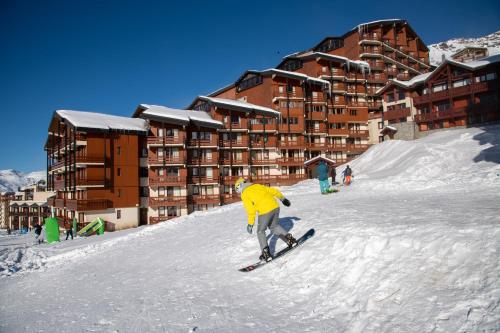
column 491, row 41
column 11, row 180
column 413, row 245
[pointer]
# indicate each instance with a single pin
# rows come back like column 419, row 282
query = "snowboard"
column 281, row 253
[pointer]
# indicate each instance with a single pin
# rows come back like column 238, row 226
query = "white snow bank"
column 382, row 260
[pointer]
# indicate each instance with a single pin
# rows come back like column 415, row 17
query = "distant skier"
column 322, row 170
column 347, row 173
column 260, row 199
column 334, row 175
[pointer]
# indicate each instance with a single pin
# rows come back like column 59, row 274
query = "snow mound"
column 420, row 257
column 454, row 158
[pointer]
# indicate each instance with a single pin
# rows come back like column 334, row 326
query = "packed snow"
column 413, row 245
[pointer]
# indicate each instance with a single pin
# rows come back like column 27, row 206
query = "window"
column 281, row 89
column 235, row 119
column 401, row 95
column 380, row 138
column 161, row 132
column 118, row 171
column 390, row 98
column 118, row 150
column 144, row 152
column 290, row 88
column 461, row 83
column 440, row 87
column 118, row 214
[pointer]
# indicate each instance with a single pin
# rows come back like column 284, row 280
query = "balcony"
column 290, row 160
column 167, row 201
column 316, row 129
column 316, row 115
column 165, row 140
column 203, row 143
column 166, row 159
column 271, row 142
column 294, row 128
column 264, row 178
column 204, row 199
column 316, row 145
column 81, row 205
column 291, row 178
column 203, row 179
column 158, row 219
column 356, row 147
column 230, row 198
column 203, row 161
column 294, row 144
column 234, row 161
column 51, row 201
column 359, row 133
column 233, row 143
column 439, row 115
column 336, row 146
column 60, row 203
column 155, row 180
column 262, row 161
column 397, row 114
column 230, row 179
column 338, row 131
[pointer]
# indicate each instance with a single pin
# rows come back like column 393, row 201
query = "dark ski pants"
column 269, row 220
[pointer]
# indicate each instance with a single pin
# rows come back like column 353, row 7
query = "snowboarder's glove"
column 286, row 202
column 249, row 228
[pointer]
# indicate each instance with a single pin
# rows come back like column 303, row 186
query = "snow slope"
column 11, row 180
column 491, row 42
column 412, row 246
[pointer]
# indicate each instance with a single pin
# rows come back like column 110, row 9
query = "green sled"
column 95, row 226
column 51, row 230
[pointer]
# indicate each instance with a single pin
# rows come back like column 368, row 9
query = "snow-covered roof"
column 359, row 26
column 473, row 65
column 177, row 115
column 93, row 120
column 240, row 106
column 405, row 84
column 362, row 65
column 314, row 159
column 220, row 90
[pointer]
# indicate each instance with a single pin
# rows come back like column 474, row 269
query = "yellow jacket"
column 258, row 198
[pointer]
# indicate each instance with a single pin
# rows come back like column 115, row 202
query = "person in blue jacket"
column 322, row 170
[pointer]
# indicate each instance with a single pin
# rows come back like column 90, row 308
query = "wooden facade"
column 454, row 94
column 93, row 171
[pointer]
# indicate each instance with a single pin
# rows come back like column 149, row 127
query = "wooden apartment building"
column 93, row 166
column 454, row 94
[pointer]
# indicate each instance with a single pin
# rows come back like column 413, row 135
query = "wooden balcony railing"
column 203, row 198
column 290, row 160
column 438, row 115
column 356, row 147
column 359, row 133
column 202, row 179
column 166, row 159
column 230, row 179
column 60, row 203
column 158, row 219
column 397, row 114
column 338, row 131
column 167, row 201
column 233, row 143
column 155, row 180
column 202, row 143
column 336, row 146
column 167, row 140
column 88, row 205
column 203, row 161
column 263, row 161
column 299, row 143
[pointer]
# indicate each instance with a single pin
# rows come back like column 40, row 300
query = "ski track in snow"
column 412, row 246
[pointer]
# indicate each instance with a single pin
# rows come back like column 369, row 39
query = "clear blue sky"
column 109, row 56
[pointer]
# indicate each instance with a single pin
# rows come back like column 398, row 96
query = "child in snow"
column 38, row 232
column 322, row 170
column 258, row 198
column 347, row 173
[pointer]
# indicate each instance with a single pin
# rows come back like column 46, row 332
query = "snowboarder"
column 347, row 173
column 322, row 170
column 259, row 198
column 334, row 175
column 38, row 232
column 69, row 230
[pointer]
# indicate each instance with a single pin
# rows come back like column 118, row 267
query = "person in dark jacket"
column 38, row 232
column 334, row 175
column 347, row 175
column 322, row 170
column 69, row 230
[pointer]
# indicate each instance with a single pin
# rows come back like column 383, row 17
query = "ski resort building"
column 93, row 167
column 454, row 94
